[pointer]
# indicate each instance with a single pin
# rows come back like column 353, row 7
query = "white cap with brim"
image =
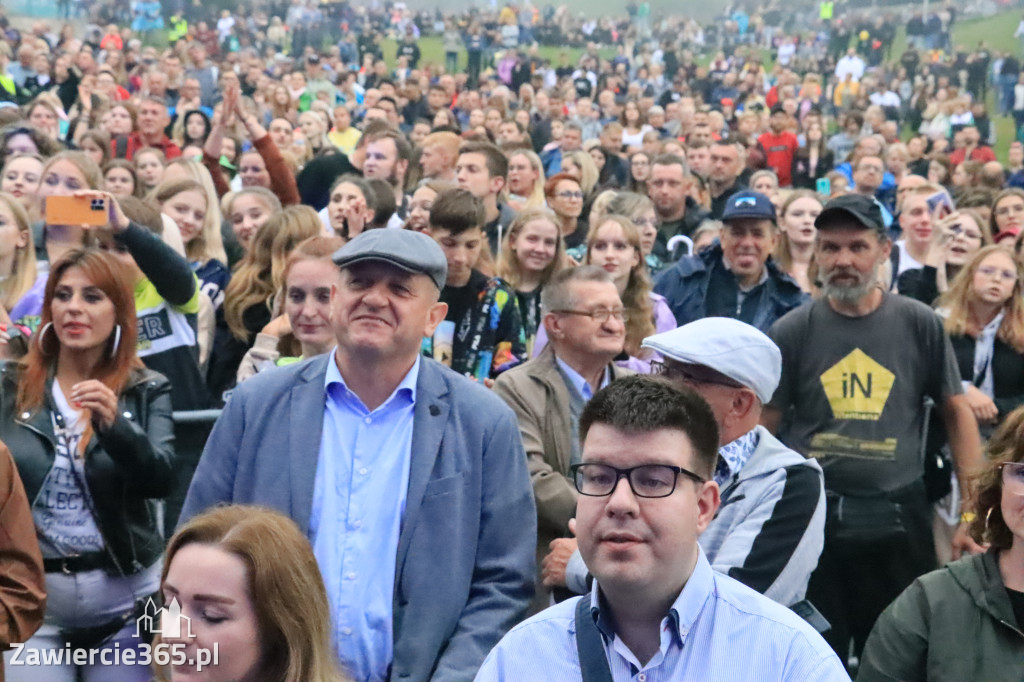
column 730, row 347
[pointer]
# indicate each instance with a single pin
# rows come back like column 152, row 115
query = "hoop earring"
column 40, row 337
column 117, row 340
column 988, row 517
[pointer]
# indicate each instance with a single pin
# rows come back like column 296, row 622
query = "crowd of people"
column 442, row 310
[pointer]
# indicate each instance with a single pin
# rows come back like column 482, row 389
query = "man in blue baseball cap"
column 735, row 277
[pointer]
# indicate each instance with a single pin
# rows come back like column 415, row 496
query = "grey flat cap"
column 408, row 250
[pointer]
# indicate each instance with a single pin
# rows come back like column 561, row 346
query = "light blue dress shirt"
column 579, row 383
column 359, row 496
column 717, row 630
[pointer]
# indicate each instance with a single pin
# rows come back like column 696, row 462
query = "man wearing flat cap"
column 770, row 528
column 736, row 276
column 409, row 480
column 857, row 367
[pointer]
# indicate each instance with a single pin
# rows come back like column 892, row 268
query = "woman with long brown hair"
column 90, row 430
column 303, row 329
column 260, row 568
column 248, row 304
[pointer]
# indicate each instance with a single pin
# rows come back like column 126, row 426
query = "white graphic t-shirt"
column 62, row 510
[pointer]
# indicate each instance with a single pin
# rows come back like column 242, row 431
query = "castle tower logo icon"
column 164, row 621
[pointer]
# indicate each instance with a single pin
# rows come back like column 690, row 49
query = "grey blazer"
column 465, row 556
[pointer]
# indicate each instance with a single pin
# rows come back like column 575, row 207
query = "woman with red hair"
column 91, row 433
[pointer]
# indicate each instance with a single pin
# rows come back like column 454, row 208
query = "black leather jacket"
column 126, row 466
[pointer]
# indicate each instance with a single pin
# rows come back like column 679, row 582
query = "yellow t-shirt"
column 345, row 141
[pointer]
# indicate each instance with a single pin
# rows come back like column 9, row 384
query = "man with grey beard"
column 858, row 364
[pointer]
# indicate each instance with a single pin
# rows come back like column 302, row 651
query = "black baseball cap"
column 862, row 209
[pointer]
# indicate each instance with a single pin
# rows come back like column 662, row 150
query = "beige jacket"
column 537, row 393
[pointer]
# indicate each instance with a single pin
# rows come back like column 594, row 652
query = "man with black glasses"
column 770, row 529
column 657, row 609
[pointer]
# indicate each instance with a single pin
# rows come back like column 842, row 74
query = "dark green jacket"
column 951, row 625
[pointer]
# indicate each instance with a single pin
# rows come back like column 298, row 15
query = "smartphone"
column 91, row 211
column 940, row 205
column 823, row 187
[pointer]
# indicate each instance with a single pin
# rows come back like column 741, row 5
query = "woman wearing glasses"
column 965, row 621
column 984, row 317
column 565, row 197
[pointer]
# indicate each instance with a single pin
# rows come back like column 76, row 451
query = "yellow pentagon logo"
column 857, row 387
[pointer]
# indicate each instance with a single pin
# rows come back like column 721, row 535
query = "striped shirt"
column 717, row 630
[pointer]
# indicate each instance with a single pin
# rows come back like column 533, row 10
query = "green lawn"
column 997, row 32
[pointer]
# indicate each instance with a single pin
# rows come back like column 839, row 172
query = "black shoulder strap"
column 121, row 147
column 589, row 645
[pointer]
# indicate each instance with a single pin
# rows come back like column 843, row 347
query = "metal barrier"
column 191, row 429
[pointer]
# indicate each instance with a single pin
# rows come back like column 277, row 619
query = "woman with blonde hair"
column 258, row 561
column 247, row 210
column 533, row 252
column 525, row 180
column 640, row 210
column 22, row 174
column 187, row 203
column 984, row 317
column 248, row 298
column 21, row 286
column 191, row 169
column 580, row 165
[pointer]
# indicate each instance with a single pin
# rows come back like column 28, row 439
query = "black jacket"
column 126, row 466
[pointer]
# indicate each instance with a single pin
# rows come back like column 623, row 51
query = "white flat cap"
column 730, row 347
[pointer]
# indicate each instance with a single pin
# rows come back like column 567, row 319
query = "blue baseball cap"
column 748, row 204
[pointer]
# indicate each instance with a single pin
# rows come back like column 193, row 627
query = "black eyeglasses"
column 646, row 480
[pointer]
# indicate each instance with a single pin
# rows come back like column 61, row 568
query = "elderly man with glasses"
column 657, row 610
column 585, row 323
column 770, row 528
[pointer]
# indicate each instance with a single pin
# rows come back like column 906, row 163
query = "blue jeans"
column 82, row 600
